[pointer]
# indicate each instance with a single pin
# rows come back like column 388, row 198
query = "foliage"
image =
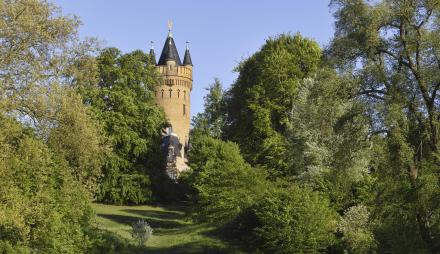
column 224, row 184
column 123, row 101
column 293, row 220
column 258, row 103
column 211, row 121
column 356, row 228
column 392, row 47
column 38, row 46
column 141, row 231
column 328, row 139
column 43, row 208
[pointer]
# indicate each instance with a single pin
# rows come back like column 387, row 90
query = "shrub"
column 223, row 183
column 141, row 231
column 293, row 220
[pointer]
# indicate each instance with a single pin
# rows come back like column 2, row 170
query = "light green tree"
column 392, row 47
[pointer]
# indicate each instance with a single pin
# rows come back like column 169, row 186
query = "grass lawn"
column 172, row 231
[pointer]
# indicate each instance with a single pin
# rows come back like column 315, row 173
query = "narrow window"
column 184, row 109
column 178, row 93
column 162, row 93
column 171, row 90
column 184, row 95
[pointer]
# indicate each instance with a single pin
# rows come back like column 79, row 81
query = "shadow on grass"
column 158, row 225
column 165, row 215
column 189, row 248
column 110, row 243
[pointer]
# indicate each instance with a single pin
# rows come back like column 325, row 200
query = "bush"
column 141, row 231
column 223, row 183
column 293, row 220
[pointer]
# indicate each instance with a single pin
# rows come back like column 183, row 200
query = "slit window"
column 178, row 93
column 162, row 93
column 184, row 109
column 171, row 90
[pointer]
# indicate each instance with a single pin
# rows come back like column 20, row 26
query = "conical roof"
column 169, row 52
column 187, row 58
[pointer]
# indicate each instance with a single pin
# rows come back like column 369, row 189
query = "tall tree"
column 259, row 102
column 45, row 207
column 39, row 47
column 212, row 120
column 123, row 101
column 328, row 138
column 392, row 46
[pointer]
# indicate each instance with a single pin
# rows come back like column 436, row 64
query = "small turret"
column 187, row 57
column 152, row 54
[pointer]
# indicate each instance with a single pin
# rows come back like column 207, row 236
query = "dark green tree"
column 223, row 184
column 259, row 102
column 123, row 101
column 212, row 120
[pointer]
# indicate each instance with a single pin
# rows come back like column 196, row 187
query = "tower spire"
column 169, row 51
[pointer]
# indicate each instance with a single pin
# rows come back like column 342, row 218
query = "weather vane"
column 187, row 43
column 170, row 26
column 152, row 44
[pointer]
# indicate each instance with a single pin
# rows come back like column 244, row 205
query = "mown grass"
column 173, row 231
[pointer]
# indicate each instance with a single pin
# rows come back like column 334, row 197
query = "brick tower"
column 174, row 96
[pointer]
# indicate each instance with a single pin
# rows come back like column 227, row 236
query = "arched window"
column 184, row 95
column 184, row 109
column 162, row 93
column 171, row 90
column 178, row 93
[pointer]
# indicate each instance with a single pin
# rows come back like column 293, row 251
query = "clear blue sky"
column 221, row 33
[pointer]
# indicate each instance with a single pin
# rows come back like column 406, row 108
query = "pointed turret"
column 187, row 57
column 169, row 51
column 152, row 54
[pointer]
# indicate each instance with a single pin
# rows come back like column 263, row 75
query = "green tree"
column 43, row 208
column 212, row 120
column 328, row 139
column 38, row 47
column 123, row 101
column 258, row 104
column 392, row 48
column 224, row 184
